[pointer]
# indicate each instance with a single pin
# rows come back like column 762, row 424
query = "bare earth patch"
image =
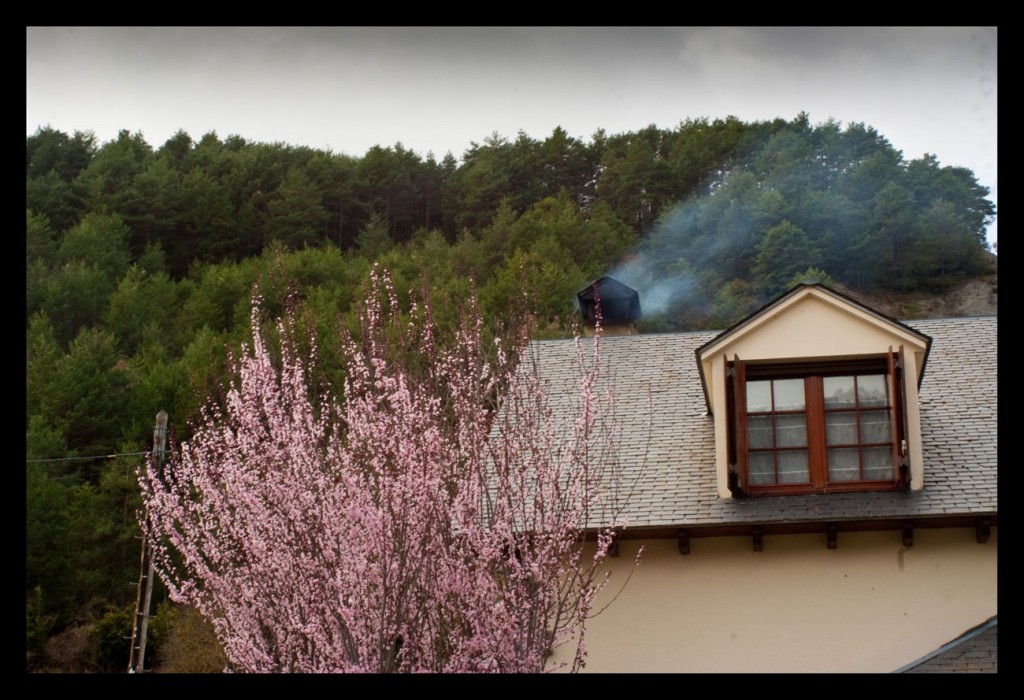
column 973, row 297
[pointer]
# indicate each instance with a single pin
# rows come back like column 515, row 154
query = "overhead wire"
column 69, row 459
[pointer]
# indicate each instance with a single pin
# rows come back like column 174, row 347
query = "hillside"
column 973, row 297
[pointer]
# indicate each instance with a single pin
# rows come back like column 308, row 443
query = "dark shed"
column 620, row 305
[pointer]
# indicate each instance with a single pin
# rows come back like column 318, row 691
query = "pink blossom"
column 424, row 521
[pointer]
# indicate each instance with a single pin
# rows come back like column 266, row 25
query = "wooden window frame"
column 738, row 373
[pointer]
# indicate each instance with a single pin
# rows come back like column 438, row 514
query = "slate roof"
column 665, row 438
column 975, row 651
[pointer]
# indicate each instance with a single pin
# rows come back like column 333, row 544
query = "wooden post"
column 137, row 661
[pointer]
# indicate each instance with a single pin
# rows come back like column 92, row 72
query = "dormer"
column 815, row 393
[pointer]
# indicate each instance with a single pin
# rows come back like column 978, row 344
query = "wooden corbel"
column 832, row 535
column 758, row 535
column 907, row 530
column 684, row 542
column 982, row 530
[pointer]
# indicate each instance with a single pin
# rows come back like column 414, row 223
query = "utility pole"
column 136, row 664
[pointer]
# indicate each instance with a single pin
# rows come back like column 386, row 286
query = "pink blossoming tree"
column 428, row 520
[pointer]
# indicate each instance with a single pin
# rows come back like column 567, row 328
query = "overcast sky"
column 927, row 90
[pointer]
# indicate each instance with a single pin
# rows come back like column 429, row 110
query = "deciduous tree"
column 421, row 523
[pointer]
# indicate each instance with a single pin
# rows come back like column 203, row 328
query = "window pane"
column 874, row 426
column 789, row 394
column 839, row 392
column 878, row 463
column 843, row 464
column 873, row 390
column 792, row 430
column 762, row 468
column 759, row 431
column 759, row 396
column 841, row 428
column 793, row 467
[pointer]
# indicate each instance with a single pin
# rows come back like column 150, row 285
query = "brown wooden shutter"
column 736, row 383
column 901, row 448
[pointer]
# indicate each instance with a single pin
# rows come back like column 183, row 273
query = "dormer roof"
column 810, row 321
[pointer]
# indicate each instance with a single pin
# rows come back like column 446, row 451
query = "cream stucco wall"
column 869, row 606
